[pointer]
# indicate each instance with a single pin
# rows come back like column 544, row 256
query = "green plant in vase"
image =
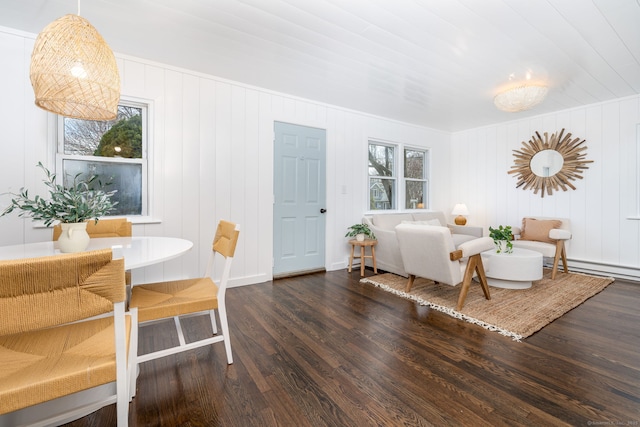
column 72, row 206
column 359, row 231
column 502, row 237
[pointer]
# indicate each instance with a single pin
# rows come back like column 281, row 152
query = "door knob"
column 323, row 210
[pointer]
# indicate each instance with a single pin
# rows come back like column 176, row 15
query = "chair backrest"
column 113, row 227
column 224, row 243
column 41, row 292
column 425, row 252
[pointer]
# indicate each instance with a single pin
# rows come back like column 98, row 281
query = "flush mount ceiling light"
column 520, row 98
column 74, row 72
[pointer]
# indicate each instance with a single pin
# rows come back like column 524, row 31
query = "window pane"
column 124, row 177
column 416, row 192
column 381, row 160
column 414, row 164
column 381, row 193
column 121, row 137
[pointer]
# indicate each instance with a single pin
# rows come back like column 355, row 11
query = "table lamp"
column 460, row 209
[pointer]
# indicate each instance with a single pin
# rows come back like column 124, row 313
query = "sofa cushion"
column 433, row 222
column 538, row 230
column 389, row 221
column 426, row 216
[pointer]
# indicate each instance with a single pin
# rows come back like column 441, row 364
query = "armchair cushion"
column 388, row 222
column 538, row 230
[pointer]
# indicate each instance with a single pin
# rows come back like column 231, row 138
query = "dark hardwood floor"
column 326, row 350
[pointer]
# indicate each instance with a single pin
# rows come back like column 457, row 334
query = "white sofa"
column 383, row 225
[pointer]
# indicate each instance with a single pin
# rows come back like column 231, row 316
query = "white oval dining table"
column 137, row 251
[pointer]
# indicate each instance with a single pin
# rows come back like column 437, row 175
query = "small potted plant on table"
column 502, row 237
column 72, row 206
column 360, row 231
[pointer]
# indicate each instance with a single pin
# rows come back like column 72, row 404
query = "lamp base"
column 460, row 220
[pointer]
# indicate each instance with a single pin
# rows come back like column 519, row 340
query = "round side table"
column 363, row 246
column 512, row 271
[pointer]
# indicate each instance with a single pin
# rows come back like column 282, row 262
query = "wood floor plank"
column 327, row 350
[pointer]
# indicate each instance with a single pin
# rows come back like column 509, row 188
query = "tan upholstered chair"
column 164, row 300
column 547, row 236
column 429, row 252
column 43, row 356
column 112, row 227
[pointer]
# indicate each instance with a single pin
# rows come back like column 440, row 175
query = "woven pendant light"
column 74, row 72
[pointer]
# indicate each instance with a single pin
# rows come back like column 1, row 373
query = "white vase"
column 74, row 237
column 502, row 248
column 360, row 237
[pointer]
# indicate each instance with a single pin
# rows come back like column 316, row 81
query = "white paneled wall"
column 604, row 239
column 211, row 157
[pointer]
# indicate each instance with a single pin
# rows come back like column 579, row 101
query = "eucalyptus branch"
column 76, row 203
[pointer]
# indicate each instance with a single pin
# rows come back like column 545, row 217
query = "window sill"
column 135, row 220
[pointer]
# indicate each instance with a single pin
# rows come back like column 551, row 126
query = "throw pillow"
column 538, row 229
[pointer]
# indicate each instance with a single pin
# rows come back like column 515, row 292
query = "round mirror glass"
column 546, row 163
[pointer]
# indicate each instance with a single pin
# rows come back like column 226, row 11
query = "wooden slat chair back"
column 173, row 299
column 43, row 356
column 116, row 227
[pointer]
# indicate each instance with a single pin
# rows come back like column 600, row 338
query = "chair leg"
column 474, row 264
column 214, row 326
column 564, row 257
column 224, row 325
column 559, row 253
column 482, row 277
column 407, row 288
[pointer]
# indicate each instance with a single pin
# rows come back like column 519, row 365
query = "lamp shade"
column 460, row 209
column 520, row 98
column 74, row 72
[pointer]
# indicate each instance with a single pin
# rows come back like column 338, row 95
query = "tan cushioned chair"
column 547, row 236
column 165, row 300
column 42, row 355
column 116, row 227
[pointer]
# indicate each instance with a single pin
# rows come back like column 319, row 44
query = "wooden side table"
column 363, row 247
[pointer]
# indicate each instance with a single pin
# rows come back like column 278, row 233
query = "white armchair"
column 546, row 236
column 429, row 252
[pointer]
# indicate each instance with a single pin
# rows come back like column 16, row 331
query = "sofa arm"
column 469, row 230
column 559, row 234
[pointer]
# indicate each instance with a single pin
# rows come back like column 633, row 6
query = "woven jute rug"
column 514, row 313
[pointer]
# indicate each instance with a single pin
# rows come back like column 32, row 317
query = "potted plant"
column 72, row 206
column 502, row 237
column 360, row 231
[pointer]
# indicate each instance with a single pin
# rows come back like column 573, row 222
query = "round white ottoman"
column 512, row 271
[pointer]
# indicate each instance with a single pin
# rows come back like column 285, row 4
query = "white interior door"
column 299, row 199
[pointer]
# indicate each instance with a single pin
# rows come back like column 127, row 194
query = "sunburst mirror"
column 549, row 163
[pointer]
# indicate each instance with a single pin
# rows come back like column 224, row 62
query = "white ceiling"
column 436, row 63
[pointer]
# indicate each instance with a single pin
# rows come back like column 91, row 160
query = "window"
column 113, row 150
column 415, row 178
column 384, row 193
column 382, row 176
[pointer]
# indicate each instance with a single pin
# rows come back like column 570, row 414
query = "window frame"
column 400, row 181
column 393, row 177
column 425, row 176
column 146, row 106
